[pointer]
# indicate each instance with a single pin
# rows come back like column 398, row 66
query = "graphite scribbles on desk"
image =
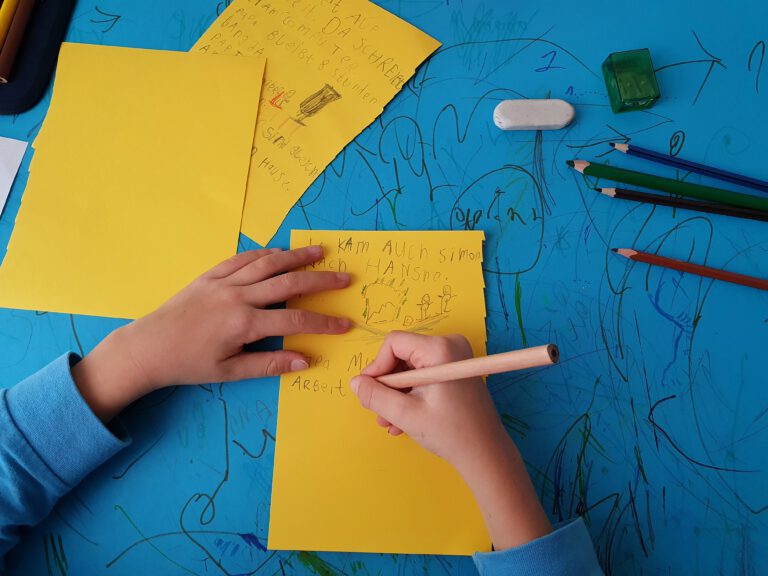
column 691, row 268
column 684, row 203
column 675, row 162
column 37, row 55
column 680, row 187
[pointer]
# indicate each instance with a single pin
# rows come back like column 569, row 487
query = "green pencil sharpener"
column 630, row 80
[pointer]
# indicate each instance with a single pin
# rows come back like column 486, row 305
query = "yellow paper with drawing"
column 341, row 483
column 137, row 183
column 331, row 68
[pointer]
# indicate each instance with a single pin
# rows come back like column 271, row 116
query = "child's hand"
column 454, row 420
column 457, row 421
column 198, row 335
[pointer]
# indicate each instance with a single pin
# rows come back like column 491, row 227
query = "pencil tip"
column 612, row 144
column 598, row 190
column 570, row 163
column 614, row 249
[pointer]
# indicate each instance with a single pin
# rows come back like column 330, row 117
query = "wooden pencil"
column 678, row 187
column 689, row 267
column 674, row 161
column 7, row 10
column 13, row 40
column 473, row 367
column 683, row 203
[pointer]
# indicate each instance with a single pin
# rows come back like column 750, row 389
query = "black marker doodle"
column 712, row 61
column 758, row 55
column 676, row 142
column 110, row 20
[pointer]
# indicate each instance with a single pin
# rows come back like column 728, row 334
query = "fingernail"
column 315, row 250
column 273, row 250
column 298, row 365
column 343, row 323
column 343, row 277
column 354, row 384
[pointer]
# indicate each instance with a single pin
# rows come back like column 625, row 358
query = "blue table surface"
column 654, row 424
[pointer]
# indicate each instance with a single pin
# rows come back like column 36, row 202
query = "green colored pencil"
column 668, row 185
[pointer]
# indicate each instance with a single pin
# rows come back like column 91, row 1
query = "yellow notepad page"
column 331, row 69
column 341, row 483
column 137, row 183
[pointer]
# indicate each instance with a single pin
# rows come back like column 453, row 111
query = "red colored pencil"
column 691, row 268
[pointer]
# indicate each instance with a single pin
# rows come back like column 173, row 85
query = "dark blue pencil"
column 689, row 166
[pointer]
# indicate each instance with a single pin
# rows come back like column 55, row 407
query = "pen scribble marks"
column 552, row 54
column 109, row 20
column 519, row 310
column 221, row 6
column 55, row 557
column 267, row 435
column 252, row 540
column 676, row 448
column 77, row 337
column 133, row 462
column 755, row 62
column 149, row 541
column 316, row 564
column 711, row 62
column 676, row 142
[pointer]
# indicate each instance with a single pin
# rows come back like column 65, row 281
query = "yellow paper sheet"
column 137, row 183
column 331, row 68
column 341, row 483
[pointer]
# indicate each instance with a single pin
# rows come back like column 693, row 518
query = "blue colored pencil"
column 689, row 166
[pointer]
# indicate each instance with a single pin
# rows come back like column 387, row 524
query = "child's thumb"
column 387, row 402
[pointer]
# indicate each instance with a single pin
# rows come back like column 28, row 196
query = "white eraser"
column 527, row 114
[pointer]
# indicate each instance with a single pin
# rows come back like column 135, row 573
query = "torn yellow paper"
column 331, row 68
column 341, row 483
column 137, row 183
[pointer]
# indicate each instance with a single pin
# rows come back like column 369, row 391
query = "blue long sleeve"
column 567, row 551
column 49, row 441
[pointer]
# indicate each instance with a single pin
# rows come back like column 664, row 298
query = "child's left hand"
column 198, row 335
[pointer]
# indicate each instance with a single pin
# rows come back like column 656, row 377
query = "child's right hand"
column 457, row 421
column 454, row 420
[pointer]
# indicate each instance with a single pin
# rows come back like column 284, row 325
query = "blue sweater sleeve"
column 567, row 551
column 49, row 441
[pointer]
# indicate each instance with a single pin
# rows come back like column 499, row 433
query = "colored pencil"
column 691, row 268
column 7, row 10
column 711, row 171
column 473, row 367
column 678, row 187
column 16, row 32
column 683, row 203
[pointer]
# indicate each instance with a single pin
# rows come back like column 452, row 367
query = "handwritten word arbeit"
column 332, row 67
column 424, row 282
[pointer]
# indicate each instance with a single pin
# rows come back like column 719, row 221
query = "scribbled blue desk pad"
column 654, row 424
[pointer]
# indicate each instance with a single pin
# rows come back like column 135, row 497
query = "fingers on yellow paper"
column 331, row 69
column 138, row 180
column 340, row 482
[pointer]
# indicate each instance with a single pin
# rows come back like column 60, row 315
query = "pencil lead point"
column 614, row 249
column 612, row 144
column 598, row 190
column 570, row 163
